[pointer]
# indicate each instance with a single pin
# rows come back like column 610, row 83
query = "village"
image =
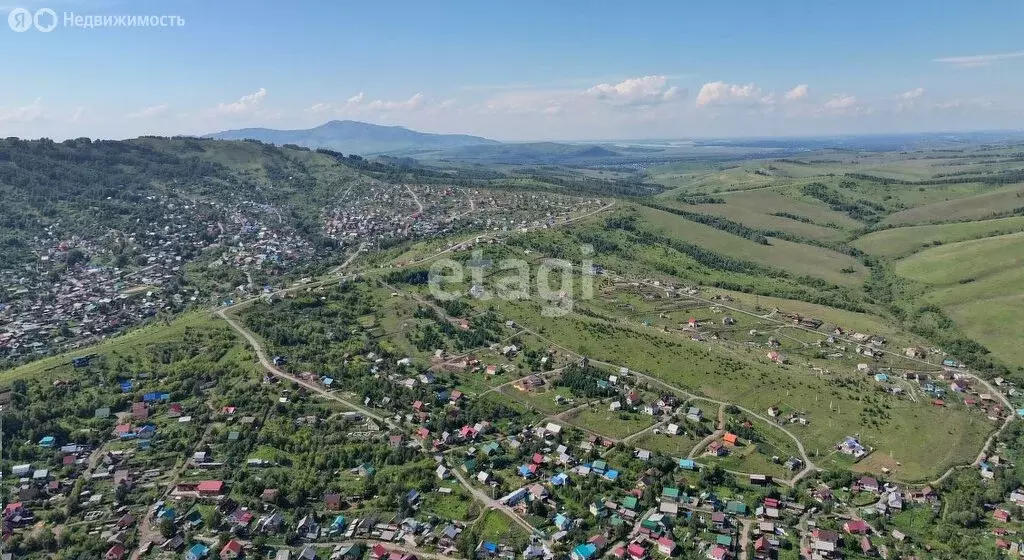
column 82, row 289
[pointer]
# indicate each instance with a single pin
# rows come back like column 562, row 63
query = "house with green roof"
column 491, row 448
column 629, row 502
column 736, row 508
column 669, row 493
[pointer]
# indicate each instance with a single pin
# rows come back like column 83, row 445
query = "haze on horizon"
column 530, row 71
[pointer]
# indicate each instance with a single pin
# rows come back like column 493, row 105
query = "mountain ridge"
column 356, row 137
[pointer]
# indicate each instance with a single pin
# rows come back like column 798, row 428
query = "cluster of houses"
column 65, row 300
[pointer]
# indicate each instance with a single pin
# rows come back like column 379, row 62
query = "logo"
column 21, row 20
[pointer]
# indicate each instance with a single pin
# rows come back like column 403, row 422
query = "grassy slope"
column 157, row 332
column 975, row 207
column 980, row 284
column 797, row 258
column 900, row 242
column 964, row 261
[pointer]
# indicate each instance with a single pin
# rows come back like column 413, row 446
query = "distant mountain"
column 354, row 137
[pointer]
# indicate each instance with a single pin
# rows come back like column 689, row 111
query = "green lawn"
column 615, row 425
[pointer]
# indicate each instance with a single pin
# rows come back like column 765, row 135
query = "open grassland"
column 965, row 261
column 995, row 322
column 686, row 179
column 836, row 405
column 974, row 207
column 674, row 446
column 899, row 242
column 980, row 285
column 616, row 425
column 848, row 320
column 795, row 257
column 788, row 200
column 737, row 209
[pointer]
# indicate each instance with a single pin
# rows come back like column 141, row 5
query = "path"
column 719, row 432
column 490, row 502
column 275, row 371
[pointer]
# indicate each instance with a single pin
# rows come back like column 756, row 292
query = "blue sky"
column 558, row 69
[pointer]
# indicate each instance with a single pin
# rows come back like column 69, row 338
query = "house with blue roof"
column 126, row 386
column 525, row 471
column 687, row 464
column 612, row 475
column 560, row 479
column 198, row 551
column 489, row 548
column 562, row 522
column 48, row 441
column 584, row 551
column 338, row 525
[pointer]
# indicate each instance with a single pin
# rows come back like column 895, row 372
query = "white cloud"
column 27, row 114
column 798, row 93
column 721, row 93
column 247, row 105
column 356, row 99
column 149, row 112
column 912, row 94
column 979, row 59
column 414, row 103
column 321, row 108
column 646, row 90
column 841, row 101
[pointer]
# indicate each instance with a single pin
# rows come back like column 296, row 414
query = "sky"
column 515, row 70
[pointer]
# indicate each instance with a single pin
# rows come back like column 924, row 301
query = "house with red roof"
column 636, row 551
column 115, row 552
column 666, row 546
column 856, row 527
column 210, row 488
column 231, row 550
column 1002, row 515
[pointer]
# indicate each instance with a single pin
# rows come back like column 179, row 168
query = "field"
column 965, row 261
column 795, row 257
column 900, row 242
column 975, row 207
column 980, row 284
column 834, row 405
column 615, row 425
